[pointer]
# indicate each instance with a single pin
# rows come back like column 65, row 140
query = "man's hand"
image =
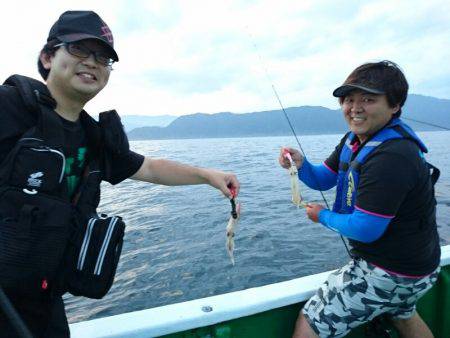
column 222, row 181
column 296, row 157
column 312, row 210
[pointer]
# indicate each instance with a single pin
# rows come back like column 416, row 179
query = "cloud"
column 181, row 57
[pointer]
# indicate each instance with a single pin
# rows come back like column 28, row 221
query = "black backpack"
column 46, row 240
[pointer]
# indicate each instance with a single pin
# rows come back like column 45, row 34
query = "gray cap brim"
column 346, row 89
column 78, row 37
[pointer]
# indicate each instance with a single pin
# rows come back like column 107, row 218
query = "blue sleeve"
column 358, row 225
column 317, row 177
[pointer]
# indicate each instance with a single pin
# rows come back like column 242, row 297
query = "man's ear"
column 46, row 60
column 396, row 108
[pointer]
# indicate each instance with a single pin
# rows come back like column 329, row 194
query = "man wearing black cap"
column 384, row 197
column 76, row 64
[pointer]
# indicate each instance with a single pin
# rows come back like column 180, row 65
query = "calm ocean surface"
column 174, row 246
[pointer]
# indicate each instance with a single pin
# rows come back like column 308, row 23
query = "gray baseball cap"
column 345, row 89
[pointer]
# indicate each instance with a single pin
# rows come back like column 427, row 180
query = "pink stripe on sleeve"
column 326, row 166
column 374, row 213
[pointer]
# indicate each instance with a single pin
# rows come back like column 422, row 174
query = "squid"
column 232, row 225
column 295, row 186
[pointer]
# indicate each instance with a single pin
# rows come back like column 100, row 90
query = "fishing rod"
column 292, row 128
column 13, row 316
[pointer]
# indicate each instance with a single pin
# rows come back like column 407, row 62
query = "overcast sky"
column 183, row 57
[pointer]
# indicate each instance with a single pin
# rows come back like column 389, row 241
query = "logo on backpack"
column 34, row 181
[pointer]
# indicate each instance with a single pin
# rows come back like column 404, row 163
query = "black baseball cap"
column 81, row 25
column 345, row 89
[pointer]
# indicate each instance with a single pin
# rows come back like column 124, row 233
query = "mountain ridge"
column 304, row 119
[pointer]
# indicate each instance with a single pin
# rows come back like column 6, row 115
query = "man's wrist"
column 203, row 174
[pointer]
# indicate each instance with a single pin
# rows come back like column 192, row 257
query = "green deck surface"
column 434, row 308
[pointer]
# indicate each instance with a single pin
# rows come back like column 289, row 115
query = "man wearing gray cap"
column 53, row 158
column 384, row 197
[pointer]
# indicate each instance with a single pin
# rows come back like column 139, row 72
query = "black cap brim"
column 80, row 36
column 344, row 90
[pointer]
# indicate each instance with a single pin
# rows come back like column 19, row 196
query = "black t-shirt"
column 16, row 120
column 395, row 181
column 75, row 151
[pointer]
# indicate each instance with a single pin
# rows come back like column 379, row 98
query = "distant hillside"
column 131, row 122
column 428, row 109
column 305, row 119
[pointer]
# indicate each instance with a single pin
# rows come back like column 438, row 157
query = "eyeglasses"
column 83, row 52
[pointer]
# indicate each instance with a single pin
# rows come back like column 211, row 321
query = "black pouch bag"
column 92, row 256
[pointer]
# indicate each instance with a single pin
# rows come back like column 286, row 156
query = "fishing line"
column 426, row 123
column 290, row 125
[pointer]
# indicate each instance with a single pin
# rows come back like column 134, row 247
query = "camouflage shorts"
column 360, row 291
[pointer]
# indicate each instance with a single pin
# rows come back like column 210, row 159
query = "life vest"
column 349, row 170
column 43, row 234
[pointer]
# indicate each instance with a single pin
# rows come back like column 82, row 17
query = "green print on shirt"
column 74, row 169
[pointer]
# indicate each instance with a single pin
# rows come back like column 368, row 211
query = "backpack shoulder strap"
column 37, row 100
column 27, row 88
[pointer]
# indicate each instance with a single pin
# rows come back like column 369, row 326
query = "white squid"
column 232, row 226
column 295, row 187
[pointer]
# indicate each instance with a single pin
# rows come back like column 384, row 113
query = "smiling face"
column 76, row 78
column 366, row 113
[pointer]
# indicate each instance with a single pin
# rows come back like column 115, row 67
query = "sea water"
column 174, row 246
